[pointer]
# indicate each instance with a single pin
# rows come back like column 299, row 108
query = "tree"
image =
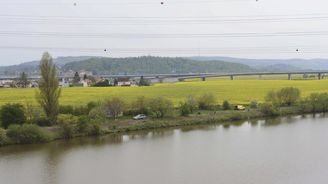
column 12, row 114
column 49, row 91
column 143, row 82
column 140, row 106
column 206, row 101
column 114, row 107
column 271, row 97
column 161, row 107
column 226, row 105
column 23, row 81
column 76, row 78
column 288, row 96
column 188, row 106
column 85, row 77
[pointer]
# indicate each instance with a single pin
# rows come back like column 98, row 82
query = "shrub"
column 206, row 101
column 27, row 134
column 12, row 114
column 94, row 128
column 3, row 137
column 226, row 105
column 98, row 113
column 83, row 124
column 161, row 107
column 67, row 123
column 268, row 109
column 185, row 109
column 188, row 107
column 66, row 109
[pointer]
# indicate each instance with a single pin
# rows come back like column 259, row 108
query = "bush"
column 67, row 123
column 94, row 128
column 98, row 113
column 83, row 124
column 188, row 107
column 206, row 101
column 12, row 114
column 185, row 109
column 3, row 137
column 66, row 109
column 226, row 105
column 88, row 126
column 27, row 134
column 161, row 107
column 268, row 109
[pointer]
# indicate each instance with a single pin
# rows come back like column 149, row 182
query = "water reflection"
column 53, row 157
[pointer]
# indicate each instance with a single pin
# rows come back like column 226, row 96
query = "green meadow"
column 236, row 91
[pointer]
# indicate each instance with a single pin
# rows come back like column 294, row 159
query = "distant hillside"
column 154, row 65
column 278, row 68
column 32, row 67
column 302, row 64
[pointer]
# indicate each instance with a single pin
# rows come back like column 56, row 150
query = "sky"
column 122, row 28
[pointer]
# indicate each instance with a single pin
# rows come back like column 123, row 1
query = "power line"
column 288, row 49
column 101, row 3
column 158, row 35
column 153, row 21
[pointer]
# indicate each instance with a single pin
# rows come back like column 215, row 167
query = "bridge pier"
column 203, row 78
column 231, row 77
column 289, row 76
column 319, row 76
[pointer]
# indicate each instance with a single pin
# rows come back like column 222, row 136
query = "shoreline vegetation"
column 27, row 124
column 112, row 116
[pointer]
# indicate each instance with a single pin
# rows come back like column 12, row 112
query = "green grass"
column 237, row 91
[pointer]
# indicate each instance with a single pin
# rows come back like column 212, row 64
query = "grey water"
column 275, row 151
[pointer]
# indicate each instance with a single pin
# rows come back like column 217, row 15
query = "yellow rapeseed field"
column 237, row 91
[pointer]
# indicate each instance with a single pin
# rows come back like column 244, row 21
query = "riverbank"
column 224, row 118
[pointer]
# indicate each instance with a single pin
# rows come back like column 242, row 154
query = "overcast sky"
column 175, row 28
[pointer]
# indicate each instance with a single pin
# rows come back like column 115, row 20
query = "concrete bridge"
column 319, row 75
column 203, row 76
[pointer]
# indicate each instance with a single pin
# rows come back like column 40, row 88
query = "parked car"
column 240, row 107
column 139, row 117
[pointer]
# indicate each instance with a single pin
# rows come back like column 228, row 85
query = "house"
column 123, row 81
column 64, row 82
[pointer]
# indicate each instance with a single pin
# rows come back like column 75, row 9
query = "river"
column 276, row 151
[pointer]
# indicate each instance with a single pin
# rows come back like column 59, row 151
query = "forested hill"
column 153, row 65
column 31, row 68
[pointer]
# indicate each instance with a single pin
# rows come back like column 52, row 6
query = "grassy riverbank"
column 124, row 125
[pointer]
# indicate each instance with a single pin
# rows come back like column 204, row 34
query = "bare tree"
column 49, row 91
column 114, row 107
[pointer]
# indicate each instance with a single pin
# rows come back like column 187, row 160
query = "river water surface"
column 280, row 151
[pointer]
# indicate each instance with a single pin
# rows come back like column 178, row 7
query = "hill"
column 292, row 64
column 32, row 67
column 154, row 65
